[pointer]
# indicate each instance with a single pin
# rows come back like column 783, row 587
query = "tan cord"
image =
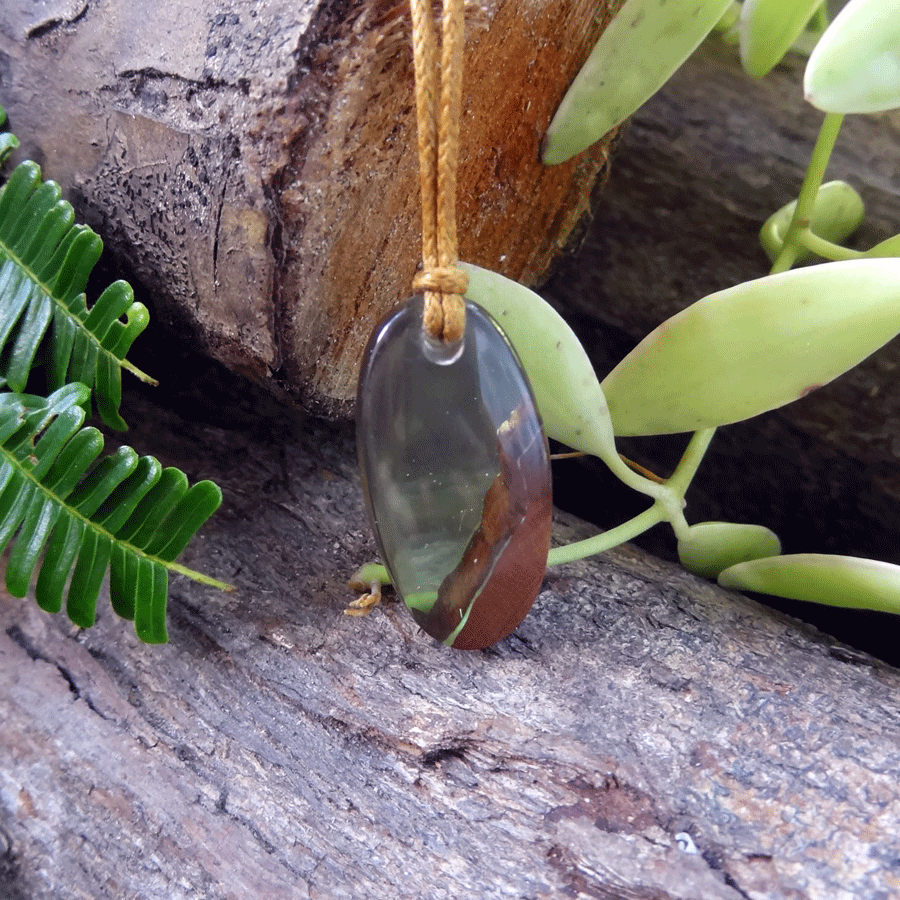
column 438, row 106
column 652, row 476
column 637, row 467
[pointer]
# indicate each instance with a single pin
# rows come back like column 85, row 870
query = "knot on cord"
column 441, row 280
column 444, row 314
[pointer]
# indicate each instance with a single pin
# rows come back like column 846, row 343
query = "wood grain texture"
column 278, row 749
column 254, row 169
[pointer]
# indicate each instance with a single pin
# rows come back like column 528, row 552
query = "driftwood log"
column 643, row 735
column 254, row 165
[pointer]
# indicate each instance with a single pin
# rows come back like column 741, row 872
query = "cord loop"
column 438, row 107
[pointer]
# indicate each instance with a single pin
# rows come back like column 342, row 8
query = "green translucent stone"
column 456, row 475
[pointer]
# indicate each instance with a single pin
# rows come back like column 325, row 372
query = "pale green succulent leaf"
column 768, row 29
column 636, row 54
column 855, row 67
column 889, row 247
column 754, row 347
column 710, row 547
column 847, row 581
column 837, row 213
column 568, row 394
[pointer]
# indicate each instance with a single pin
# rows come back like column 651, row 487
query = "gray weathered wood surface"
column 278, row 749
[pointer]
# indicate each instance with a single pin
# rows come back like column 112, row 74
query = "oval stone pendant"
column 456, row 475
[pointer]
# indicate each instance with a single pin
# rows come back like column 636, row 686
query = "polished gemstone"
column 456, row 474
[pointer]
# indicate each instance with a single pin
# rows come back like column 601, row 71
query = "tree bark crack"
column 17, row 636
column 138, row 78
column 44, row 28
column 732, row 883
column 217, row 228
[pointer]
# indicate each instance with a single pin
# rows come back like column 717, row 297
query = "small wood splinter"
column 365, row 603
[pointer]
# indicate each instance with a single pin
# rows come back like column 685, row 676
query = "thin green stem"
column 824, row 248
column 633, row 479
column 729, row 18
column 606, row 540
column 809, row 37
column 690, row 461
column 669, row 498
column 142, row 376
column 815, row 173
column 197, row 576
column 682, row 477
column 363, row 578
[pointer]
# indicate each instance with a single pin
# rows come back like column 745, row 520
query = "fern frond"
column 124, row 514
column 45, row 262
column 8, row 141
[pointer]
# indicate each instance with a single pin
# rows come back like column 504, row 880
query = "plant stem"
column 667, row 506
column 681, row 480
column 809, row 37
column 815, row 173
column 197, row 576
column 608, row 539
column 820, row 19
column 690, row 461
column 142, row 376
column 826, row 249
column 617, row 465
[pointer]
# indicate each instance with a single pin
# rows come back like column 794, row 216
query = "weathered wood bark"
column 278, row 749
column 255, row 164
column 642, row 734
column 698, row 170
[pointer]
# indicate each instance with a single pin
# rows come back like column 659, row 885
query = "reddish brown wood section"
column 255, row 168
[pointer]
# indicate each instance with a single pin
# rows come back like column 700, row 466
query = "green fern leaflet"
column 65, row 512
column 45, row 262
column 8, row 141
column 126, row 514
